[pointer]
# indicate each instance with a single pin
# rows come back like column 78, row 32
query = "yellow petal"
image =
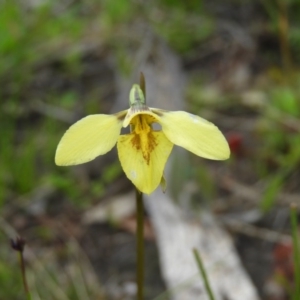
column 194, row 134
column 91, row 136
column 143, row 159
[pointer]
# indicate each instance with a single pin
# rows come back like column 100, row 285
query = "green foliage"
column 286, row 100
column 186, row 6
column 10, row 274
column 271, row 192
column 23, row 167
column 182, row 32
column 66, row 184
column 206, row 183
column 284, row 23
column 11, row 281
column 117, row 11
column 296, row 253
column 28, row 37
column 6, row 141
column 111, row 173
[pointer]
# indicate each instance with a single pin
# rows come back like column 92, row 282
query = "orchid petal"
column 90, row 137
column 193, row 133
column 143, row 159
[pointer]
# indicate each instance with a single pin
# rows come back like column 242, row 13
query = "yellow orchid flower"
column 143, row 152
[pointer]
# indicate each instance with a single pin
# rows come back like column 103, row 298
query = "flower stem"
column 140, row 226
column 140, row 245
column 18, row 245
column 22, row 263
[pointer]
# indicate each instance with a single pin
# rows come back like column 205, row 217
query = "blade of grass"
column 203, row 274
column 33, row 288
column 75, row 274
column 88, row 277
column 296, row 253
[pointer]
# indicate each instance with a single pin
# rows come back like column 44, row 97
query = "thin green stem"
column 140, row 226
column 203, row 274
column 140, row 245
column 294, row 223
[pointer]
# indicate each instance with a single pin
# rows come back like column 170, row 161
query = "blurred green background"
column 59, row 61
